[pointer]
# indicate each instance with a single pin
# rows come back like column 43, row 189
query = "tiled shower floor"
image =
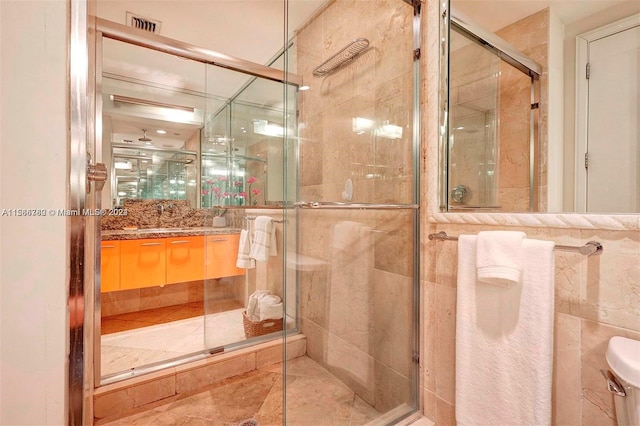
column 314, row 398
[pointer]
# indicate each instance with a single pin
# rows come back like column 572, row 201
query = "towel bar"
column 272, row 220
column 591, row 247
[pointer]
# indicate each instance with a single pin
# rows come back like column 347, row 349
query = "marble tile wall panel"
column 377, row 86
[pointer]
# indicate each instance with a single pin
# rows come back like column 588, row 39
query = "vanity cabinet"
column 110, row 265
column 185, row 259
column 150, row 262
column 143, row 263
column 221, row 256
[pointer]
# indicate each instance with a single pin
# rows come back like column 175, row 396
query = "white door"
column 613, row 127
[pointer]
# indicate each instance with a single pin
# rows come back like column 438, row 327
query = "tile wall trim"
column 541, row 220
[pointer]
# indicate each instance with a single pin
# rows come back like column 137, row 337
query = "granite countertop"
column 135, row 234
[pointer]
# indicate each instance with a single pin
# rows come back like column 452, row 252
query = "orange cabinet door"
column 142, row 263
column 185, row 259
column 221, row 255
column 109, row 266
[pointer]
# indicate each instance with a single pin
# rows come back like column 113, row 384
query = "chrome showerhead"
column 144, row 137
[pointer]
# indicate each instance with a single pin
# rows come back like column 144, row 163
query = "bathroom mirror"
column 579, row 147
column 184, row 130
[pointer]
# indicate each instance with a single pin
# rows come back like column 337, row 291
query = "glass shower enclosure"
column 330, row 153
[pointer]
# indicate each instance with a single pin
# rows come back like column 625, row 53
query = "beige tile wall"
column 377, row 86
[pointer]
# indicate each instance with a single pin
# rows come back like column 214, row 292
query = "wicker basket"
column 259, row 328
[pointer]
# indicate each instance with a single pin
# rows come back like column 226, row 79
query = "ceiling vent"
column 142, row 23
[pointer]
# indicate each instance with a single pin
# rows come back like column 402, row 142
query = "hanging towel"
column 244, row 248
column 504, row 341
column 346, row 235
column 499, row 258
column 264, row 239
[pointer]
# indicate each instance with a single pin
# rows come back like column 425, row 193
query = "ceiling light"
column 122, row 165
column 361, row 125
column 303, row 88
column 161, row 132
column 263, row 127
column 390, row 131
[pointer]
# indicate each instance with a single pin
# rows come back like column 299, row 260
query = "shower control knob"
column 458, row 193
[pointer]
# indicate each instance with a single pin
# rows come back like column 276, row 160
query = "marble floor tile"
column 124, row 350
column 314, row 398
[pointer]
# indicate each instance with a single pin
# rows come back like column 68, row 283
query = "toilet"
column 623, row 379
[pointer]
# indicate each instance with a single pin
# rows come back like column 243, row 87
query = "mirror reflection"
column 587, row 121
column 190, row 131
column 185, row 142
column 493, row 125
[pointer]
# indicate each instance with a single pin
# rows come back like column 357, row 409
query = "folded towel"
column 263, row 305
column 499, row 259
column 270, row 307
column 244, row 248
column 264, row 239
column 253, row 305
column 504, row 341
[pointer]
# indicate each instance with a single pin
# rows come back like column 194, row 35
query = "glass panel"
column 352, row 271
column 242, row 167
column 355, row 277
column 473, row 168
column 223, row 151
column 489, row 134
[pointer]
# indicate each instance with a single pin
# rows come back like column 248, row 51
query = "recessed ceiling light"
column 161, row 132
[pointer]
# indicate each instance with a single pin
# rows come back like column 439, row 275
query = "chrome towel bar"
column 591, row 247
column 272, row 220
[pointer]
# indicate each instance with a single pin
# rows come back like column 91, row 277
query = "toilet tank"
column 623, row 357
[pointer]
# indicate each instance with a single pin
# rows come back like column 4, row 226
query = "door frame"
column 582, row 101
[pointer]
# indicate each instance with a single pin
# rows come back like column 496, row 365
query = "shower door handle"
column 96, row 173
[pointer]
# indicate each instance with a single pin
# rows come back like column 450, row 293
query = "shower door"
column 492, row 144
column 242, row 179
column 352, row 254
column 178, row 294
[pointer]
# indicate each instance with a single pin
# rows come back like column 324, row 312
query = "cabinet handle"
column 150, row 244
column 180, row 242
column 104, row 247
column 217, row 240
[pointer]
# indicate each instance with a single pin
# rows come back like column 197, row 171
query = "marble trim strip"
column 541, row 220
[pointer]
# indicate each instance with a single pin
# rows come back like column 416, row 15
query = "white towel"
column 346, row 235
column 270, row 307
column 264, row 239
column 504, row 341
column 244, row 248
column 499, row 259
column 253, row 305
